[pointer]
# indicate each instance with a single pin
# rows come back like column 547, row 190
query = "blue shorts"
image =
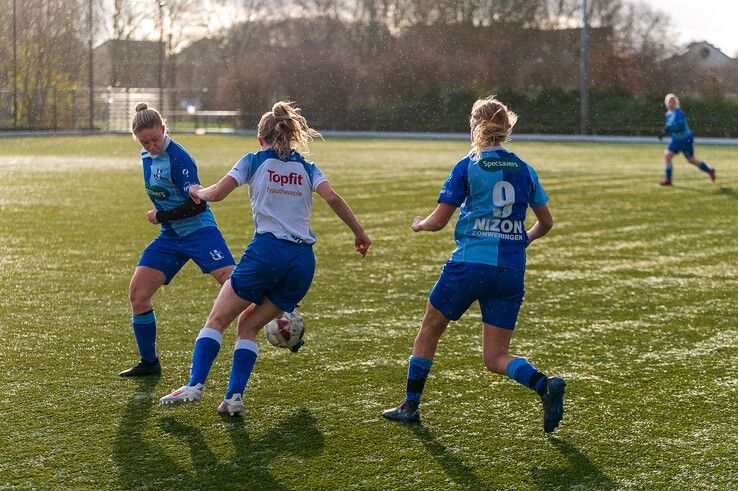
column 205, row 246
column 684, row 145
column 277, row 269
column 499, row 291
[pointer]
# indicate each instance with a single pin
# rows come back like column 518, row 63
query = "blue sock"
column 144, row 329
column 207, row 346
column 524, row 373
column 667, row 172
column 244, row 358
column 417, row 371
column 703, row 167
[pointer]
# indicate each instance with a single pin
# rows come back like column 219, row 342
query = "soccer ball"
column 286, row 331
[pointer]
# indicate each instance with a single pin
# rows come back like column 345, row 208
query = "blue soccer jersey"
column 676, row 124
column 493, row 194
column 168, row 177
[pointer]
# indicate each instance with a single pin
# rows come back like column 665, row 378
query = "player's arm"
column 436, row 220
column 341, row 208
column 216, row 192
column 544, row 223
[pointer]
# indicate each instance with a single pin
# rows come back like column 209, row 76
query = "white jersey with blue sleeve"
column 493, row 193
column 168, row 177
column 280, row 193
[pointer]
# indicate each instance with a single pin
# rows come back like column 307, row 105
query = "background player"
column 277, row 267
column 494, row 188
column 188, row 231
column 681, row 139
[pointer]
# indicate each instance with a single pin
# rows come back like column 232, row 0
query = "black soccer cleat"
column 408, row 412
column 553, row 403
column 297, row 347
column 142, row 369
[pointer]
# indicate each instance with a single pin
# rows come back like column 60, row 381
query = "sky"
column 713, row 21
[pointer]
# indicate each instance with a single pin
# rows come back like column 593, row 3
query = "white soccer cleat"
column 186, row 393
column 232, row 406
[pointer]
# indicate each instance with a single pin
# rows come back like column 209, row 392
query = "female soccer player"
column 494, row 188
column 188, row 231
column 681, row 139
column 276, row 269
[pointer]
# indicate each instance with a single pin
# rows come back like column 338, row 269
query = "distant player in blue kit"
column 276, row 270
column 493, row 189
column 188, row 231
column 681, row 140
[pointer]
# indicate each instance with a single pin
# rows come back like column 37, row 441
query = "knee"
column 139, row 300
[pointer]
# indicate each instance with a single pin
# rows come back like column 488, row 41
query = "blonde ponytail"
column 284, row 128
column 491, row 123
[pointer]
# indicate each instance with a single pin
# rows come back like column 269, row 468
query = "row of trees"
column 384, row 64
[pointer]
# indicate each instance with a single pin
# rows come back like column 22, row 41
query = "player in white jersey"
column 276, row 269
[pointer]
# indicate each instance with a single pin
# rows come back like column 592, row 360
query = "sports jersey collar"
column 167, row 141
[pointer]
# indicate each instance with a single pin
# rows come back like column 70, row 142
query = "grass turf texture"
column 631, row 298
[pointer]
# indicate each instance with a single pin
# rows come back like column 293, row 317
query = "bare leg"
column 221, row 275
column 144, row 283
column 227, row 307
column 433, row 326
column 495, row 346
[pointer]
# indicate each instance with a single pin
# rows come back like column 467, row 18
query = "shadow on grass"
column 249, row 469
column 722, row 191
column 143, row 462
column 580, row 471
column 453, row 466
column 140, row 461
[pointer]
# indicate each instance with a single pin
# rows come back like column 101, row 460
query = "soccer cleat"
column 665, row 182
column 408, row 412
column 186, row 393
column 232, row 406
column 711, row 173
column 142, row 369
column 553, row 403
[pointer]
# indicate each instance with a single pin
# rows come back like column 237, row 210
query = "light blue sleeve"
column 538, row 196
column 317, row 177
column 455, row 188
column 244, row 169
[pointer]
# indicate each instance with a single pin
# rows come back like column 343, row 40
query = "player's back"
column 491, row 225
column 281, row 193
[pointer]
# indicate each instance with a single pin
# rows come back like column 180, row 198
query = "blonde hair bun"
column 141, row 106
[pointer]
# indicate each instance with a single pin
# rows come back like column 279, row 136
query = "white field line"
column 412, row 135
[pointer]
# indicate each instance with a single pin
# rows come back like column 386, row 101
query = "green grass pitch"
column 632, row 298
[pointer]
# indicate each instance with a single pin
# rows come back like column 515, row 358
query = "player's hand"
column 151, row 216
column 362, row 243
column 416, row 224
column 193, row 193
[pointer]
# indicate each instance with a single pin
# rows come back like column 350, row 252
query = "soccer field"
column 632, row 298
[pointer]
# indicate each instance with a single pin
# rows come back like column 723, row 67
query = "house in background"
column 197, row 69
column 701, row 67
column 702, row 55
column 127, row 63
